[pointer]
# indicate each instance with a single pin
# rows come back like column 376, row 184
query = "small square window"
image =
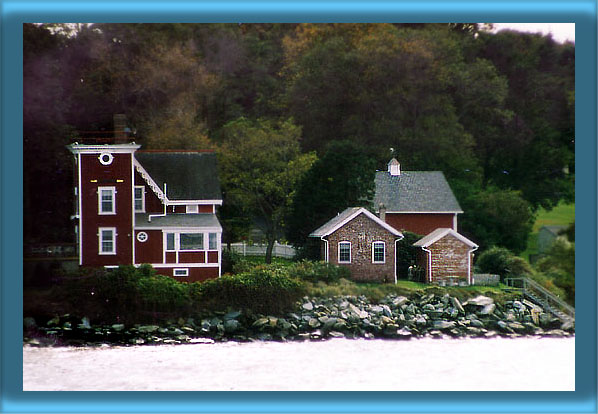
column 181, row 272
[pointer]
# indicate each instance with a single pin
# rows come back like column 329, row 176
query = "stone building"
column 446, row 257
column 359, row 240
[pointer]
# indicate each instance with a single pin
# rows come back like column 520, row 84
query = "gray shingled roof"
column 188, row 175
column 332, row 225
column 416, row 191
column 178, row 220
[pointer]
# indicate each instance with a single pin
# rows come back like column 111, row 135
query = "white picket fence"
column 279, row 250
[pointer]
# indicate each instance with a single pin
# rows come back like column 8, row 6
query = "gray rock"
column 314, row 323
column 118, row 327
column 232, row 315
column 443, row 325
column 260, row 322
column 488, row 309
column 54, row 321
column 84, row 323
column 399, row 301
column 457, row 305
column 479, row 301
column 308, row 306
column 231, row 325
column 147, row 328
column 29, row 323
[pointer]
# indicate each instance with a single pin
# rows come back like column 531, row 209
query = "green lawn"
column 563, row 214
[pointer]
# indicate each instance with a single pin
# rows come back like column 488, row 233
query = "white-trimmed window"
column 106, row 200
column 107, row 240
column 181, row 272
column 139, row 199
column 185, row 241
column 344, row 252
column 191, row 209
column 378, row 252
column 191, row 241
column 213, row 241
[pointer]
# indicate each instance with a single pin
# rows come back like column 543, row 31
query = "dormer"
column 394, row 168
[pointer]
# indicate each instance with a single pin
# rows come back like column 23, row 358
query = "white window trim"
column 108, row 161
column 339, row 252
column 191, row 208
column 113, row 191
column 384, row 255
column 217, row 241
column 177, row 241
column 142, row 198
column 142, row 235
column 184, row 270
column 100, row 240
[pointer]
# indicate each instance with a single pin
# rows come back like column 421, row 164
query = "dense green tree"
column 497, row 218
column 260, row 165
column 343, row 177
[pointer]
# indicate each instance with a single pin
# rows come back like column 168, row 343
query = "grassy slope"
column 563, row 214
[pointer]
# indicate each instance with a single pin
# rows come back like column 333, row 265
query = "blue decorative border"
column 15, row 13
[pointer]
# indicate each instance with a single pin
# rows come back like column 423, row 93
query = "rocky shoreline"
column 394, row 317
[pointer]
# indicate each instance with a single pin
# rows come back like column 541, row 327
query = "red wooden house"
column 415, row 201
column 155, row 207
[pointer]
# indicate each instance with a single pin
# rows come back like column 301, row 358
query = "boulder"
column 457, row 305
column 479, row 301
column 308, row 306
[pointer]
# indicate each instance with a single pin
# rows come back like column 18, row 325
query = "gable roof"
column 346, row 216
column 553, row 229
column 439, row 234
column 188, row 175
column 415, row 191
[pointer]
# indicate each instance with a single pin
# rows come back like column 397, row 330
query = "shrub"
column 318, row 271
column 160, row 294
column 494, row 260
column 264, row 289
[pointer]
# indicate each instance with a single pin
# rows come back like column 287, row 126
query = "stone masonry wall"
column 449, row 259
column 361, row 232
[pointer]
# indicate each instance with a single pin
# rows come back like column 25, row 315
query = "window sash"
column 344, row 252
column 378, row 252
column 191, row 241
column 107, row 240
column 106, row 200
column 170, row 242
column 213, row 241
column 139, row 198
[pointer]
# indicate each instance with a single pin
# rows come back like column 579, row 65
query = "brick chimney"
column 120, row 129
column 382, row 212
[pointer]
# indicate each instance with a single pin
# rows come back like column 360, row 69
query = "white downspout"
column 429, row 264
column 469, row 264
column 326, row 256
column 149, row 218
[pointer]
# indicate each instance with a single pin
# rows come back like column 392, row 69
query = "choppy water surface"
column 522, row 364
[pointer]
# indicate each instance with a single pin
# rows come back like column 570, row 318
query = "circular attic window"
column 105, row 158
column 142, row 236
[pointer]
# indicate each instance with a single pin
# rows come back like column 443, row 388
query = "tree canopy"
column 493, row 111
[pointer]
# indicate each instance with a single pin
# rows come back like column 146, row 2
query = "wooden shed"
column 446, row 257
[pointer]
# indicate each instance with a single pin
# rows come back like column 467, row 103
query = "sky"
column 561, row 32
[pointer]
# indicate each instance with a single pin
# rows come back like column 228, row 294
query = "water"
column 497, row 364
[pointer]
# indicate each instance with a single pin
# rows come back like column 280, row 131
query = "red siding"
column 209, row 208
column 423, row 223
column 212, row 257
column 149, row 251
column 152, row 202
column 170, row 257
column 196, row 274
column 94, row 175
column 192, row 257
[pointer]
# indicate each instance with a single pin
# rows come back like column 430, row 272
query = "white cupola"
column 394, row 168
